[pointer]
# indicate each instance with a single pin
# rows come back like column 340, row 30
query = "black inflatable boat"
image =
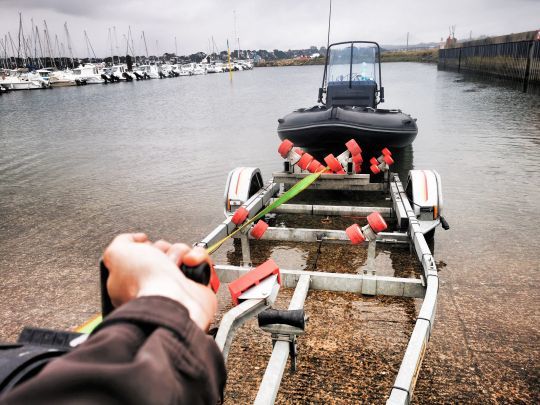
column 352, row 85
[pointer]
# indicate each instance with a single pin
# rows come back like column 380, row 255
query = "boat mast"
column 38, row 38
column 63, row 49
column 130, row 36
column 111, row 43
column 33, row 42
column 116, row 45
column 175, row 48
column 145, row 46
column 28, row 49
column 68, row 40
column 20, row 29
column 234, row 13
column 4, row 60
column 48, row 43
column 12, row 50
column 58, row 50
column 89, row 46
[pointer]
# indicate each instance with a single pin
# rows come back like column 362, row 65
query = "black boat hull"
column 322, row 128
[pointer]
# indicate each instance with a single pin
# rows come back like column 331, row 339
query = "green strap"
column 293, row 192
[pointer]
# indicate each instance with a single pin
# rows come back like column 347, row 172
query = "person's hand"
column 139, row 268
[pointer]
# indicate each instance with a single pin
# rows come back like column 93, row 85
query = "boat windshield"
column 353, row 62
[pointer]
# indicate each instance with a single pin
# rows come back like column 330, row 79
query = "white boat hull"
column 31, row 85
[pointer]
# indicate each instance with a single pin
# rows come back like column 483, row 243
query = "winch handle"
column 202, row 273
column 106, row 303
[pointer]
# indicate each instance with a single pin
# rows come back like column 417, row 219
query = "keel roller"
column 287, row 151
column 334, row 164
column 382, row 163
column 239, row 216
column 315, row 166
column 357, row 162
column 376, row 224
column 353, row 147
column 305, row 161
column 285, row 147
column 259, row 229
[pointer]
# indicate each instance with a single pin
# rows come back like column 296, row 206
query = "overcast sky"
column 267, row 24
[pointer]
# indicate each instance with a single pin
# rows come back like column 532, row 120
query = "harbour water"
column 79, row 165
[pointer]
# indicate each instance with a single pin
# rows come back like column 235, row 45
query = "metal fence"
column 517, row 61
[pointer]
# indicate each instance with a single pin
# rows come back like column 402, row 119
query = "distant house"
column 315, row 55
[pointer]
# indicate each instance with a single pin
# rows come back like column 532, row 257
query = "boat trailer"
column 415, row 212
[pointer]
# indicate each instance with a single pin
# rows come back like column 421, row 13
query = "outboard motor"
column 106, row 78
column 127, row 76
column 146, row 75
column 162, row 75
column 138, row 76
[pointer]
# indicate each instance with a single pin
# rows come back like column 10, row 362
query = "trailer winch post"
column 274, row 371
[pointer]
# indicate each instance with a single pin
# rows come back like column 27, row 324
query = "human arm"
column 152, row 349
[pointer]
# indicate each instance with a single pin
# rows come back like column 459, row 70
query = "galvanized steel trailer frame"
column 408, row 232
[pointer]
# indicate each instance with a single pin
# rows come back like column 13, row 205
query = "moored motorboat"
column 60, row 78
column 87, row 74
column 20, row 80
column 149, row 71
column 352, row 89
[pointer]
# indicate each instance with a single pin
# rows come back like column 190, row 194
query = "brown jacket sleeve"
column 146, row 352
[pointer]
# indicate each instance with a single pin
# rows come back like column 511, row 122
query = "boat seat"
column 355, row 93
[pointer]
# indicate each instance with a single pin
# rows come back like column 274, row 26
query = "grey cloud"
column 271, row 24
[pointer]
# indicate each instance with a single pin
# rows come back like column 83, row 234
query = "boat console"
column 352, row 75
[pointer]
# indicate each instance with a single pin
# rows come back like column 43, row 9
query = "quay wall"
column 514, row 57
